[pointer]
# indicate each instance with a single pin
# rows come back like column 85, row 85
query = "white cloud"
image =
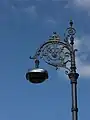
column 82, row 3
column 51, row 21
column 25, row 7
column 83, row 66
column 31, row 10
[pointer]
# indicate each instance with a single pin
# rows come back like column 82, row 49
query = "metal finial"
column 54, row 37
column 54, row 33
column 71, row 23
column 70, row 31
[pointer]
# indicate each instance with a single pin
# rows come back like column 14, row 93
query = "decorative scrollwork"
column 70, row 31
column 55, row 53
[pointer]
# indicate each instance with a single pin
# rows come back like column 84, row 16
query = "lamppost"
column 58, row 54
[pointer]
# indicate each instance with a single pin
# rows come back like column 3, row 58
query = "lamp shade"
column 37, row 75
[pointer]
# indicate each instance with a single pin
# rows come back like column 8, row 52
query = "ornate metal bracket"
column 56, row 52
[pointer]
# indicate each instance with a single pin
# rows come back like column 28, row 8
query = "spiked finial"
column 71, row 23
column 55, row 37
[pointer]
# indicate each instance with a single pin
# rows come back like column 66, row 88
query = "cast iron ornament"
column 55, row 52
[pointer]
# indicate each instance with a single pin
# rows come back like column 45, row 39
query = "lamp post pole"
column 73, row 76
column 58, row 54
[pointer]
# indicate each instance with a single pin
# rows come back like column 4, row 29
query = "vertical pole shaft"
column 73, row 77
column 74, row 97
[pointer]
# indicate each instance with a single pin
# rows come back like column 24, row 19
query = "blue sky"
column 24, row 26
